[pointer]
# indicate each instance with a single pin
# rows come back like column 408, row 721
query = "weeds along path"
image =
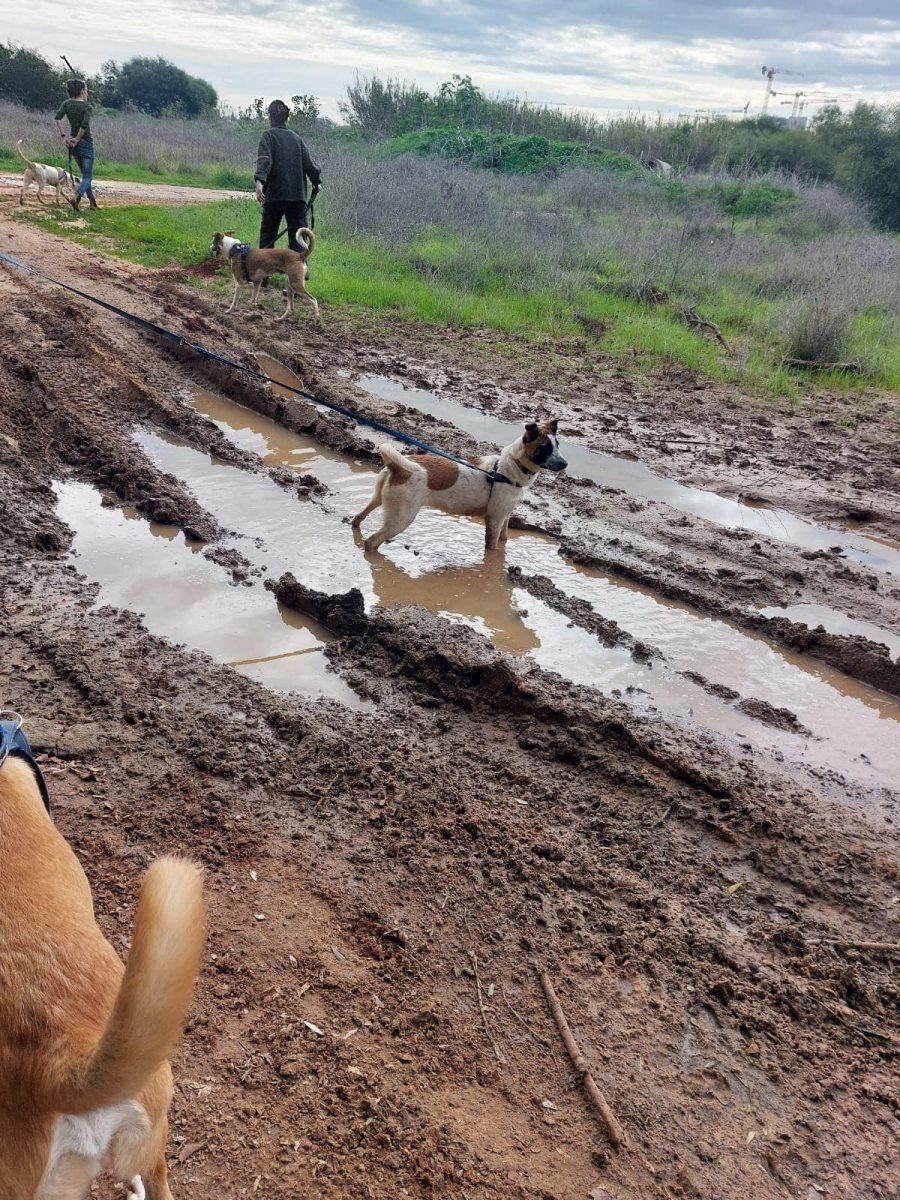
column 708, row 924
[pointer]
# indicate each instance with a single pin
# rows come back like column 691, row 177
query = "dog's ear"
column 228, row 233
column 553, row 425
column 531, row 432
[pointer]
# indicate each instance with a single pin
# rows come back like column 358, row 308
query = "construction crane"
column 769, row 74
column 811, row 98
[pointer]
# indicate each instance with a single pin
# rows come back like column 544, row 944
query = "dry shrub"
column 817, row 329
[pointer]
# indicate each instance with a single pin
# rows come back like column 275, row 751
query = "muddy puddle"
column 439, row 563
column 636, row 479
column 151, row 569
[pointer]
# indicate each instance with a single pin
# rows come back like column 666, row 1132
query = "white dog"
column 43, row 176
column 411, row 482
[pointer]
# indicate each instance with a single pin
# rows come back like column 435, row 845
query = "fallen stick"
column 811, row 364
column 613, row 1129
column 693, row 320
column 487, row 1028
column 881, row 947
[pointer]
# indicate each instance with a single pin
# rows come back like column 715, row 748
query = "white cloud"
column 612, row 57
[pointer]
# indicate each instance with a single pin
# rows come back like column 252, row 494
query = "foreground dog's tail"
column 399, row 467
column 22, row 156
column 309, row 237
column 155, row 992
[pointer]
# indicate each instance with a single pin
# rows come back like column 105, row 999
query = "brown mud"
column 385, row 881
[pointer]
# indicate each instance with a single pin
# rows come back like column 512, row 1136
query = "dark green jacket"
column 79, row 114
column 283, row 165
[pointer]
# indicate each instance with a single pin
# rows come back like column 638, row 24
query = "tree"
column 156, row 86
column 27, row 78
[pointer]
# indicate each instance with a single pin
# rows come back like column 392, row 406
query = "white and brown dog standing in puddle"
column 84, row 1082
column 409, row 483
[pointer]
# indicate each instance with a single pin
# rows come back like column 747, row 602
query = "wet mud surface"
column 386, row 876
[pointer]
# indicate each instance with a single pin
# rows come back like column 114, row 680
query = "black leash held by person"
column 68, row 147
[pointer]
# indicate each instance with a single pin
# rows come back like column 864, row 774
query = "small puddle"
column 633, row 477
column 439, row 563
column 151, row 569
column 814, row 615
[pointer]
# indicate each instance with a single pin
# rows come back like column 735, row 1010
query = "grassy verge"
column 210, row 177
column 440, row 278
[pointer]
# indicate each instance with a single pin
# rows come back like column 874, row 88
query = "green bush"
column 532, row 155
column 753, row 200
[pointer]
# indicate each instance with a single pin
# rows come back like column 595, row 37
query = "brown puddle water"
column 636, row 479
column 439, row 563
column 151, row 569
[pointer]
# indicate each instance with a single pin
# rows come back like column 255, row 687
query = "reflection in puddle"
column 637, row 479
column 151, row 569
column 442, row 567
column 813, row 615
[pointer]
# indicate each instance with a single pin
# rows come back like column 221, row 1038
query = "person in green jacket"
column 283, row 165
column 78, row 113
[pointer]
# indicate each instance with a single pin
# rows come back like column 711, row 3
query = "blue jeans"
column 84, row 156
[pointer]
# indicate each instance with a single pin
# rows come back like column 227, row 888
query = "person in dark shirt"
column 78, row 113
column 283, row 165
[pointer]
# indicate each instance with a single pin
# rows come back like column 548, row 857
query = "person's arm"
column 311, row 169
column 263, row 166
column 58, row 119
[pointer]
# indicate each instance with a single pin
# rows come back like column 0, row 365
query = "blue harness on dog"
column 14, row 744
column 243, row 249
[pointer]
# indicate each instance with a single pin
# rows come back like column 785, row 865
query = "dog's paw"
column 136, row 1189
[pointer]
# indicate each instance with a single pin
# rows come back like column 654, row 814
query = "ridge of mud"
column 339, row 614
column 582, row 613
column 851, row 653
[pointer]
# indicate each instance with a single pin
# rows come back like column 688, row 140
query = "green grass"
column 443, row 279
column 208, row 177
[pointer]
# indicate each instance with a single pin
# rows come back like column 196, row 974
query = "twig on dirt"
column 487, row 1028
column 693, row 320
column 814, row 364
column 661, row 820
column 879, row 947
column 613, row 1129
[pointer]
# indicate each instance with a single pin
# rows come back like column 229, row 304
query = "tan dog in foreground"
column 252, row 266
column 43, row 176
column 85, row 1085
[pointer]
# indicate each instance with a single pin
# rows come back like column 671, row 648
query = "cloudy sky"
column 665, row 55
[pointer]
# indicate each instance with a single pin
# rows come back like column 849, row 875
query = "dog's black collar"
column 499, row 477
column 14, row 744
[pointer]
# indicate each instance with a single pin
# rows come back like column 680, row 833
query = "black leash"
column 178, row 340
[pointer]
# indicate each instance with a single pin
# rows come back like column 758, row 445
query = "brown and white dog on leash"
column 411, row 482
column 85, row 1084
column 43, row 176
column 252, row 266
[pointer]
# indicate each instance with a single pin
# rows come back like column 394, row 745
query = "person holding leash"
column 283, row 165
column 78, row 141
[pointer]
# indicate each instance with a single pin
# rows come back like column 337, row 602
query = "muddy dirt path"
column 386, row 876
column 116, row 191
